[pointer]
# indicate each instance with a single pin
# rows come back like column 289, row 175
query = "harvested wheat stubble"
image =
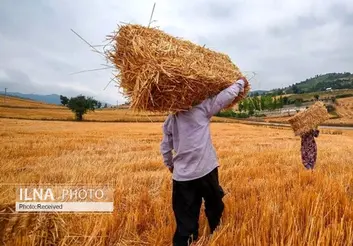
column 162, row 73
column 309, row 119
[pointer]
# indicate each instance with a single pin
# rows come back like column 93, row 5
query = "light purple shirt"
column 188, row 134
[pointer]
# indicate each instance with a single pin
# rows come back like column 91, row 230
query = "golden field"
column 27, row 109
column 345, row 108
column 271, row 199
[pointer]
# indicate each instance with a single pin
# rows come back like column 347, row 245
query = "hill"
column 334, row 81
column 257, row 93
column 19, row 102
column 51, row 99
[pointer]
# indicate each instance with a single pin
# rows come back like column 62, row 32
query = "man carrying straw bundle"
column 195, row 165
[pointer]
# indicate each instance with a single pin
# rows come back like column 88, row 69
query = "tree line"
column 260, row 103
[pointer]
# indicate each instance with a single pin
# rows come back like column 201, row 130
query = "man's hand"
column 171, row 169
column 246, row 82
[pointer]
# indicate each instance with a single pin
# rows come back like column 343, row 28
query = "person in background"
column 309, row 148
column 194, row 165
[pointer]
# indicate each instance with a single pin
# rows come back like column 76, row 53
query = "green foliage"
column 226, row 113
column 251, row 105
column 274, row 103
column 80, row 105
column 64, row 100
column 99, row 104
column 242, row 115
column 298, row 102
column 262, row 102
column 316, row 96
column 296, row 90
column 241, row 106
column 319, row 83
column 281, row 102
column 256, row 102
column 231, row 114
column 251, row 109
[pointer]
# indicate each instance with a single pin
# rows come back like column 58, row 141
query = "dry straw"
column 309, row 119
column 162, row 73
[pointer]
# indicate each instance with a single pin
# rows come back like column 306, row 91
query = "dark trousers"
column 187, row 199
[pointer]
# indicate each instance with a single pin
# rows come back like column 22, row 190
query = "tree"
column 295, row 89
column 105, row 105
column 316, row 96
column 80, row 105
column 256, row 103
column 285, row 100
column 262, row 103
column 99, row 104
column 280, row 102
column 64, row 100
column 268, row 102
column 279, row 92
column 241, row 106
column 251, row 107
column 246, row 105
column 256, row 94
column 274, row 103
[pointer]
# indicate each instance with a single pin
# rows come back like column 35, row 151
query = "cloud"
column 284, row 42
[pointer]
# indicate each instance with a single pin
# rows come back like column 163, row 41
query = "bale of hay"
column 162, row 73
column 309, row 119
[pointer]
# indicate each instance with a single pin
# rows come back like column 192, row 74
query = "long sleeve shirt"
column 188, row 135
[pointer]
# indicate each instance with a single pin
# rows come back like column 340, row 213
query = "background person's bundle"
column 162, row 73
column 309, row 119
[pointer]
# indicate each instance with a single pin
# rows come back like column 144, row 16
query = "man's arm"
column 213, row 105
column 166, row 146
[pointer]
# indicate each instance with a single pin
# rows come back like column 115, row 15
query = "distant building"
column 329, row 89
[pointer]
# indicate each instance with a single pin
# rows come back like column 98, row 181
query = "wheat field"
column 345, row 108
column 270, row 199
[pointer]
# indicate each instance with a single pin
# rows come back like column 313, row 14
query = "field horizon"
column 25, row 109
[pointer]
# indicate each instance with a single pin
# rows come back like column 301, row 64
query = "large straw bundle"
column 162, row 73
column 306, row 120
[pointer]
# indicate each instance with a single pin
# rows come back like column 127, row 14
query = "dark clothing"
column 187, row 199
column 309, row 149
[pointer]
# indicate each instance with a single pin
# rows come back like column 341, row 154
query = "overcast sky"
column 282, row 41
